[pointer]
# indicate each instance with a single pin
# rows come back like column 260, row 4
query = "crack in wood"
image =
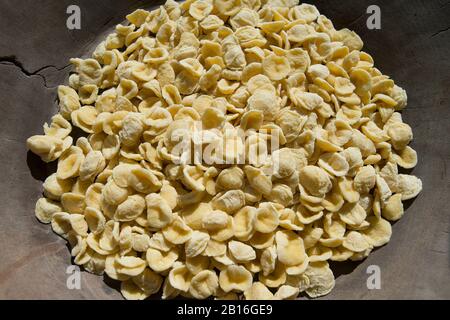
column 440, row 32
column 13, row 61
column 355, row 20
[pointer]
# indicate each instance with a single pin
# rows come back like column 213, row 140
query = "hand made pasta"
column 163, row 193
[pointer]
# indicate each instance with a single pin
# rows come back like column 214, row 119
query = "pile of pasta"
column 130, row 210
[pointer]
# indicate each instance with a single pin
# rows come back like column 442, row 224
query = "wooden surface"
column 413, row 47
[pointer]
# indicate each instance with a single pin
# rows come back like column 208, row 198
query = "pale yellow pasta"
column 315, row 180
column 290, row 248
column 130, row 266
column 177, row 232
column 148, row 281
column 159, row 213
column 45, row 209
column 276, row 279
column 215, row 248
column 244, row 223
column 54, row 188
column 267, row 218
column 197, row 244
column 95, row 220
column 113, row 194
column 258, row 291
column 59, row 127
column 68, row 101
column 230, row 201
column 321, row 279
column 258, row 180
column 235, row 278
column 144, row 181
column 47, row 147
column 276, row 67
column 230, row 149
column 241, row 252
column 73, row 202
column 286, row 292
column 204, row 284
column 355, row 241
column 161, row 261
column 407, row 158
column 379, row 231
column 180, row 277
column 70, row 163
column 130, row 209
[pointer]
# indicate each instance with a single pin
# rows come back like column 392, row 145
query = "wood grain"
column 413, row 47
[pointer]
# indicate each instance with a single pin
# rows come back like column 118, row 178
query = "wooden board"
column 412, row 46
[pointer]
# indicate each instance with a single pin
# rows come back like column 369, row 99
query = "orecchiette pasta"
column 231, row 149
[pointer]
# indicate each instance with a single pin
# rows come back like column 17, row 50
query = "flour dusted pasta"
column 232, row 148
